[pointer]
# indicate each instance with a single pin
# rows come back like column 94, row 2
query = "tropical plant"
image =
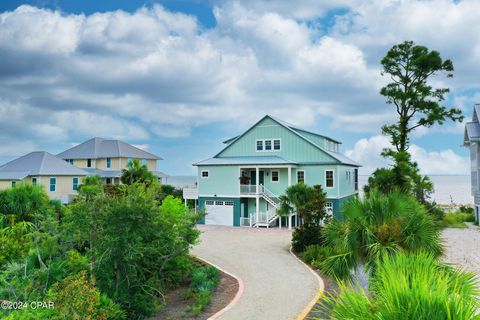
column 378, row 225
column 409, row 286
column 136, row 172
column 309, row 203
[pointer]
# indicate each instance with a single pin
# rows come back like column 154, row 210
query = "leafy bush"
column 457, row 219
column 465, row 209
column 204, row 281
column 409, row 286
column 380, row 224
column 306, row 235
column 315, row 254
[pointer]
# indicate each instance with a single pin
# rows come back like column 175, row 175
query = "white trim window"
column 34, row 181
column 53, row 184
column 275, row 176
column 209, row 202
column 89, row 163
column 329, row 179
column 259, row 145
column 268, row 145
column 277, row 144
column 109, row 163
column 300, row 176
column 205, row 174
column 75, row 184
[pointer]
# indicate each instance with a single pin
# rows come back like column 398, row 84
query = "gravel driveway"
column 277, row 286
column 462, row 247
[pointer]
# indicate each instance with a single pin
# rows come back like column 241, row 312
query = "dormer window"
column 259, row 145
column 268, row 145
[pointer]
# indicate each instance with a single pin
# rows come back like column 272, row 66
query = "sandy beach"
column 462, row 247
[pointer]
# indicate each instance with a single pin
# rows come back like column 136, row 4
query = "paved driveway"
column 277, row 286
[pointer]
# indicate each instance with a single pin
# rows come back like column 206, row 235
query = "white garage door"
column 219, row 213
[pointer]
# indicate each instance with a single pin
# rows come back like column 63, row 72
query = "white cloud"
column 154, row 73
column 367, row 152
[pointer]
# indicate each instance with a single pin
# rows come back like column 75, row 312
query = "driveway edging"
column 319, row 293
column 234, row 301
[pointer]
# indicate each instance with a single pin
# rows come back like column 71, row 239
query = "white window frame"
column 34, row 181
column 73, row 184
column 108, row 163
column 333, row 178
column 50, row 184
column 265, row 145
column 278, row 176
column 89, row 160
column 273, row 144
column 209, row 202
column 304, row 176
column 208, row 174
column 256, row 145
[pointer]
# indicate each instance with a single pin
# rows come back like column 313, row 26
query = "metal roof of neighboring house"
column 38, row 163
column 247, row 160
column 103, row 148
column 473, row 130
column 335, row 155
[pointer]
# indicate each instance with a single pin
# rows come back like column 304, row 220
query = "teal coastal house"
column 241, row 184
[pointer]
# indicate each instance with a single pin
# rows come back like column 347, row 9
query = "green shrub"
column 204, row 281
column 457, row 219
column 377, row 225
column 409, row 286
column 465, row 209
column 315, row 254
column 306, row 235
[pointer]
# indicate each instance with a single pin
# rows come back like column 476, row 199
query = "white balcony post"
column 257, row 180
column 290, row 221
column 289, row 176
column 257, row 204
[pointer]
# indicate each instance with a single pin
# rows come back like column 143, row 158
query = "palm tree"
column 409, row 286
column 136, row 172
column 378, row 225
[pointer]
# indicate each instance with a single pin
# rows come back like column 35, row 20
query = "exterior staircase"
column 266, row 219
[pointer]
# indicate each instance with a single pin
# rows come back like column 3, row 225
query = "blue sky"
column 178, row 77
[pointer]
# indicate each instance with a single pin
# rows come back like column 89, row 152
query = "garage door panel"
column 219, row 213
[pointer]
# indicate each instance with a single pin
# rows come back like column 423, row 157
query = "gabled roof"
column 286, row 124
column 102, row 148
column 247, row 160
column 335, row 155
column 39, row 163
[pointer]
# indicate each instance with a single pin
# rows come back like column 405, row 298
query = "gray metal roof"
column 473, row 130
column 101, row 148
column 38, row 163
column 247, row 160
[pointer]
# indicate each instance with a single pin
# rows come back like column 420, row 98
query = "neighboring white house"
column 472, row 141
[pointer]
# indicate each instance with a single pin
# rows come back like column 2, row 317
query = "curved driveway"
column 277, row 286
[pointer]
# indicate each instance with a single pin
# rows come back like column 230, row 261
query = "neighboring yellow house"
column 107, row 158
column 59, row 179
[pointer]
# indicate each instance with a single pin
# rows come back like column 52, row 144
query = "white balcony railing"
column 190, row 193
column 248, row 189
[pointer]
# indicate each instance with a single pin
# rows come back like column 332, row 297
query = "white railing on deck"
column 190, row 193
column 248, row 189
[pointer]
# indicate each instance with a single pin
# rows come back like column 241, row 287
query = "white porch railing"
column 248, row 189
column 190, row 193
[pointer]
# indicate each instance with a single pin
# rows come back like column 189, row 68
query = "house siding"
column 293, row 147
column 222, row 181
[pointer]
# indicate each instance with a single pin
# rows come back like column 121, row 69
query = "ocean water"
column 448, row 189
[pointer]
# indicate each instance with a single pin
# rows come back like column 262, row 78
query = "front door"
column 253, row 177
